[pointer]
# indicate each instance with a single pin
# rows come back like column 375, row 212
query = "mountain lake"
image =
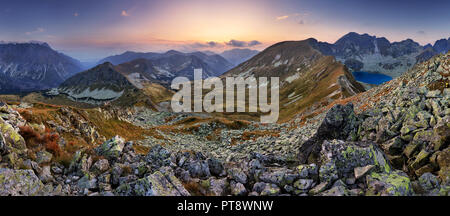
column 371, row 78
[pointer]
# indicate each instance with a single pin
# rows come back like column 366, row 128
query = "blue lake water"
column 371, row 78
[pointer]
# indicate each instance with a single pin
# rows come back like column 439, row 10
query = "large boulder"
column 11, row 137
column 112, row 149
column 19, row 183
column 160, row 183
column 340, row 122
column 342, row 157
column 395, row 183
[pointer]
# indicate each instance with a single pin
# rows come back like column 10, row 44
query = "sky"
column 92, row 29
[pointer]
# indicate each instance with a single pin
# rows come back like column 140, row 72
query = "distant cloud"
column 282, row 17
column 76, row 14
column 38, row 30
column 421, row 32
column 124, row 13
column 301, row 22
column 237, row 43
column 210, row 44
column 291, row 16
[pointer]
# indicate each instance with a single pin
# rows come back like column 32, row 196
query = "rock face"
column 33, row 66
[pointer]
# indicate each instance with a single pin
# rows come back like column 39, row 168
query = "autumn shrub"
column 35, row 140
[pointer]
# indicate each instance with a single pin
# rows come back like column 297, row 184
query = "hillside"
column 308, row 79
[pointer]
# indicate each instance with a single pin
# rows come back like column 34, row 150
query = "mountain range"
column 363, row 52
column 33, row 66
column 36, row 66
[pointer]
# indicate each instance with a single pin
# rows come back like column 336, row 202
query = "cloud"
column 124, row 13
column 76, row 14
column 38, row 30
column 282, row 17
column 210, row 44
column 421, row 32
column 301, row 22
column 238, row 43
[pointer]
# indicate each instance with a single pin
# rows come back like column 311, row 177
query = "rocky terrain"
column 33, row 66
column 391, row 140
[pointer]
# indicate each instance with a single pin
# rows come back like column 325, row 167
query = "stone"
column 87, row 182
column 395, row 183
column 393, row 146
column 215, row 167
column 429, row 183
column 237, row 189
column 340, row 122
column 199, row 169
column 43, row 157
column 156, row 184
column 318, row 188
column 411, row 149
column 19, row 183
column 345, row 156
column 238, row 175
column 45, row 175
column 100, row 166
column 421, row 159
column 112, row 149
column 218, row 186
column 335, row 191
column 304, row 184
column 361, row 171
column 270, row 190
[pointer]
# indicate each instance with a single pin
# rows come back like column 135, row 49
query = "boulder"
column 156, row 184
column 395, row 183
column 340, row 122
column 19, row 183
column 112, row 149
column 345, row 156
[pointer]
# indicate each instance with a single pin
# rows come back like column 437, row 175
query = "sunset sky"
column 90, row 30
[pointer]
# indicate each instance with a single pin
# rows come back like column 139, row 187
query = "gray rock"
column 215, row 167
column 19, row 182
column 218, row 186
column 100, row 166
column 45, row 175
column 238, row 175
column 429, row 183
column 361, row 171
column 43, row 157
column 237, row 189
column 304, row 184
column 112, row 149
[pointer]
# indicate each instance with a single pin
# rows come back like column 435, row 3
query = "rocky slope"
column 33, row 66
column 308, row 79
column 391, row 140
